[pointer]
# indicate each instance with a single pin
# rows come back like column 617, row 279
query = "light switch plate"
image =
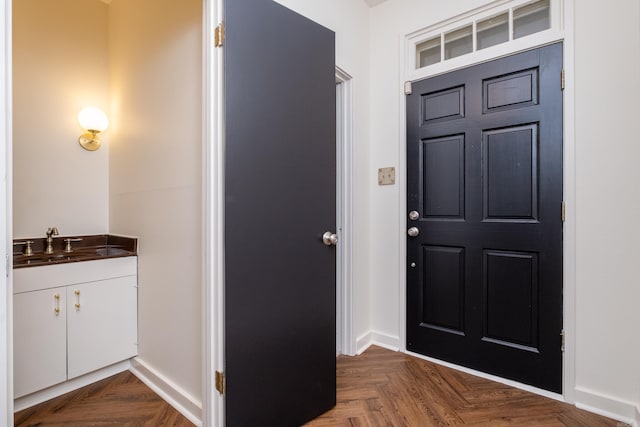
column 387, row 176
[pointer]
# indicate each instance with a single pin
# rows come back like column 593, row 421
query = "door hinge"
column 562, row 340
column 562, row 79
column 219, row 35
column 562, row 212
column 408, row 89
column 220, row 382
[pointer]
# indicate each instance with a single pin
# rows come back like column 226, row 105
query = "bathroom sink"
column 87, row 248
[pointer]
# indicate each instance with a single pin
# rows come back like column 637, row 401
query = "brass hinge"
column 219, row 35
column 563, row 212
column 562, row 337
column 220, row 382
column 562, row 79
column 408, row 88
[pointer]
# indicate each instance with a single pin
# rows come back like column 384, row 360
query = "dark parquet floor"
column 379, row 388
column 382, row 388
column 121, row 400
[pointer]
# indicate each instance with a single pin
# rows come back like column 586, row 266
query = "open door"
column 280, row 198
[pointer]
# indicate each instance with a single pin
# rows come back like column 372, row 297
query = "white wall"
column 58, row 69
column 607, row 66
column 390, row 21
column 155, row 175
column 350, row 21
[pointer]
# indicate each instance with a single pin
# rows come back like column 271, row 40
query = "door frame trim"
column 569, row 195
column 213, row 219
column 344, row 214
column 6, row 218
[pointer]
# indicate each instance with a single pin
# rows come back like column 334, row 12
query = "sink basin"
column 112, row 251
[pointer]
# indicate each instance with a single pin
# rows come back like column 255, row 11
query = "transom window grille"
column 504, row 22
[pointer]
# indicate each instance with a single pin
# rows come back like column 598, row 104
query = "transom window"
column 499, row 27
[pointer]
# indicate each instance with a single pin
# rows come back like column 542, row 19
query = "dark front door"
column 484, row 177
column 279, row 199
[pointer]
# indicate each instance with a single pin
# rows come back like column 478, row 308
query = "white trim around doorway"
column 344, row 213
column 6, row 235
column 213, row 209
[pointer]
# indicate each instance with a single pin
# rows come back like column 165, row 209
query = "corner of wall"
column 179, row 399
column 364, row 341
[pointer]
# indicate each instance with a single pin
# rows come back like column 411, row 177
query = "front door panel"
column 484, row 173
column 280, row 199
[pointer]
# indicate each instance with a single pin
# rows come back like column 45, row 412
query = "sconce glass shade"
column 94, row 121
column 93, row 118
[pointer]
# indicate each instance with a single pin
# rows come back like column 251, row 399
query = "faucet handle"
column 67, row 247
column 27, row 246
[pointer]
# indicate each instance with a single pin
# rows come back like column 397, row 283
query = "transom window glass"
column 428, row 52
column 501, row 24
column 458, row 42
column 493, row 31
column 531, row 18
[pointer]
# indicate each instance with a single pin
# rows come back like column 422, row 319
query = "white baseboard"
column 380, row 339
column 387, row 341
column 607, row 406
column 59, row 389
column 363, row 342
column 182, row 401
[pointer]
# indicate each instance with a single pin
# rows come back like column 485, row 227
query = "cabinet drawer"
column 52, row 276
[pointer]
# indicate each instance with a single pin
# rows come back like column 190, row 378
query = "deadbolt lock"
column 414, row 215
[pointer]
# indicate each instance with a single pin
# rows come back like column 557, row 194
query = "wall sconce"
column 94, row 121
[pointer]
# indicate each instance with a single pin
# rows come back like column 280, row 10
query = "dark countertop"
column 92, row 247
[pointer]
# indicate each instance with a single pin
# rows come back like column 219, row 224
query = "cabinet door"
column 101, row 324
column 39, row 340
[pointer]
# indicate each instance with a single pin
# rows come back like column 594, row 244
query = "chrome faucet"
column 53, row 231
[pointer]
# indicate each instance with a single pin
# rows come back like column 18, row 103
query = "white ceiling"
column 372, row 3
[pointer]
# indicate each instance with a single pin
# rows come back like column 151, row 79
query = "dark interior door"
column 279, row 199
column 484, row 177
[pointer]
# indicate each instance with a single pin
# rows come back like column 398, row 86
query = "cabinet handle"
column 56, row 310
column 77, row 304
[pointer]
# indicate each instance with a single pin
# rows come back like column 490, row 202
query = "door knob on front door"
column 329, row 238
column 413, row 231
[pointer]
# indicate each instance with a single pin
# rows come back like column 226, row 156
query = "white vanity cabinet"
column 72, row 319
column 39, row 341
